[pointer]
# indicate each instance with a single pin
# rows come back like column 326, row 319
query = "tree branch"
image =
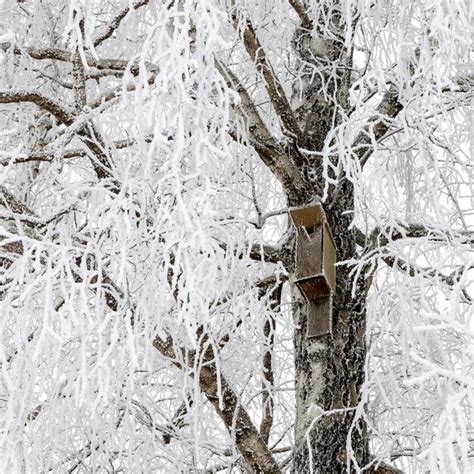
column 45, row 103
column 378, row 125
column 249, row 442
column 306, row 22
column 10, row 202
column 115, row 22
column 382, row 237
column 384, row 468
column 38, row 53
column 176, row 422
column 269, row 254
column 264, row 144
column 274, row 89
column 70, row 154
column 267, row 385
column 40, row 156
column 56, row 54
column 413, row 270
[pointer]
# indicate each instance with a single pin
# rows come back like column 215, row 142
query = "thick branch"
column 267, row 386
column 10, row 202
column 274, row 89
column 79, row 83
column 264, row 144
column 39, row 53
column 270, row 254
column 306, row 22
column 12, row 97
column 56, row 54
column 384, row 468
column 378, row 125
column 248, row 440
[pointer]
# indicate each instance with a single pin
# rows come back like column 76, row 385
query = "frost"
column 135, row 299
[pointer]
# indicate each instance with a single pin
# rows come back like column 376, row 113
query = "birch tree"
column 150, row 151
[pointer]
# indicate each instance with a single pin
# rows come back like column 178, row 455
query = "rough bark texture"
column 330, row 369
column 248, row 440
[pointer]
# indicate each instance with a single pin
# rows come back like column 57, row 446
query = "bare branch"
column 115, row 22
column 264, row 144
column 306, row 22
column 274, row 89
column 249, row 442
column 12, row 97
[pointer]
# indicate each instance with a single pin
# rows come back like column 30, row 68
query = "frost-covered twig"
column 110, row 28
column 274, row 89
column 18, row 96
column 216, row 388
column 263, row 142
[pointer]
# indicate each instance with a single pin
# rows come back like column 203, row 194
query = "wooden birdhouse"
column 315, row 273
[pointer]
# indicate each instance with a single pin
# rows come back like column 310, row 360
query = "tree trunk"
column 330, row 369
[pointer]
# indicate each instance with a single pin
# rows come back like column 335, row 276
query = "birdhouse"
column 319, row 316
column 315, row 273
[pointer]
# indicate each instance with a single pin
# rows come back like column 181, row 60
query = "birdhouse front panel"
column 319, row 320
column 309, row 253
column 315, row 259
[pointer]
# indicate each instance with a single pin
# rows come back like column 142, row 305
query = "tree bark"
column 330, row 369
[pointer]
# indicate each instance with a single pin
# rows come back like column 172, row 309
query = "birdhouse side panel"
column 329, row 259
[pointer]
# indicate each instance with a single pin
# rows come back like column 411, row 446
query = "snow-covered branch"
column 216, row 388
column 17, row 96
column 110, row 28
column 274, row 89
column 264, row 143
column 378, row 125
